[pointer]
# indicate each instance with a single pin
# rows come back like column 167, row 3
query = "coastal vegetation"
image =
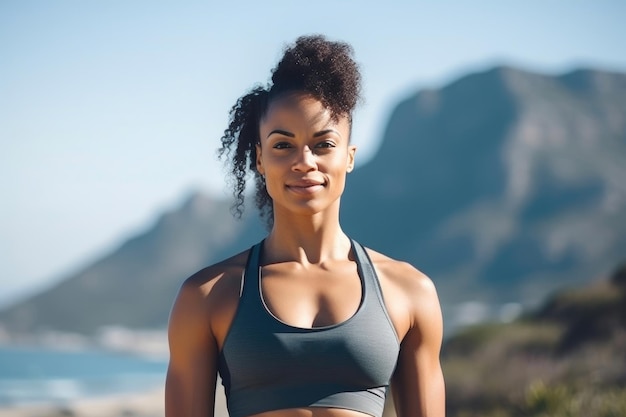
column 565, row 359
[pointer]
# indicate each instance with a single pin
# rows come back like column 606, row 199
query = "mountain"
column 501, row 186
column 135, row 285
column 505, row 184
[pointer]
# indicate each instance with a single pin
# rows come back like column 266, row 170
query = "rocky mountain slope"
column 505, row 184
column 501, row 186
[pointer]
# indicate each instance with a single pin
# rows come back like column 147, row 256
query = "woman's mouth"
column 306, row 187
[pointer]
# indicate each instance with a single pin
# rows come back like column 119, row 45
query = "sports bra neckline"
column 357, row 259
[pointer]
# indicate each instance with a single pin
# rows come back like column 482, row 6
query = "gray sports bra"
column 267, row 365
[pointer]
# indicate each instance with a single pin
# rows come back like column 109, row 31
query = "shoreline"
column 141, row 404
column 47, row 380
column 137, row 404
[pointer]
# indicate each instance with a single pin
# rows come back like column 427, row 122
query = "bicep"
column 418, row 385
column 191, row 375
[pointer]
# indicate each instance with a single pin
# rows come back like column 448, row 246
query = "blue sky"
column 111, row 111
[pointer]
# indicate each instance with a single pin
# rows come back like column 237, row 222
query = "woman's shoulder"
column 415, row 299
column 401, row 272
column 404, row 281
column 214, row 282
column 207, row 300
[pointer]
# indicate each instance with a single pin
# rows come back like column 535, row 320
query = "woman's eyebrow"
column 324, row 132
column 281, row 132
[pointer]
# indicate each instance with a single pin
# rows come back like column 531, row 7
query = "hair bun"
column 323, row 68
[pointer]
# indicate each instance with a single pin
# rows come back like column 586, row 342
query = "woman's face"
column 304, row 154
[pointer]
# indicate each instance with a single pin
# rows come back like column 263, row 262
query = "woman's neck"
column 307, row 240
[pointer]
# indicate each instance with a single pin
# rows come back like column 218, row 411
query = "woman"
column 307, row 322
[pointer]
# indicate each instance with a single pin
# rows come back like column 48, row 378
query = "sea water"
column 38, row 375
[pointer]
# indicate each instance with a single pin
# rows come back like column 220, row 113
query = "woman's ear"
column 351, row 152
column 259, row 163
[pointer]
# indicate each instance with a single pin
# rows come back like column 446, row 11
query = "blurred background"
column 491, row 149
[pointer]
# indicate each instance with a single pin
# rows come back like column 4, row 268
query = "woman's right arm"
column 192, row 370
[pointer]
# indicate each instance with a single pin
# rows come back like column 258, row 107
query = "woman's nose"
column 305, row 160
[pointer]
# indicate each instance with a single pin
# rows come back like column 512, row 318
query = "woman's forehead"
column 300, row 108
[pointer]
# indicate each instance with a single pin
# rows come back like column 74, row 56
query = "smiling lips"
column 306, row 186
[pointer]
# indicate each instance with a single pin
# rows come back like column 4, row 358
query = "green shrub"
column 565, row 401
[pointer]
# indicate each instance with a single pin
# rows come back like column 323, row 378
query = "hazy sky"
column 111, row 111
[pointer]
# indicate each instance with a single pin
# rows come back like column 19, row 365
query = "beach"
column 40, row 381
column 147, row 404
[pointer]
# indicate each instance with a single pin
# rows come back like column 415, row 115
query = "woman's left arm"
column 417, row 384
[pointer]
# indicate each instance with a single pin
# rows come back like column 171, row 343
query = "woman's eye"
column 326, row 144
column 282, row 145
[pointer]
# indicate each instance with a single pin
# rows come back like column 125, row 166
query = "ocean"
column 42, row 375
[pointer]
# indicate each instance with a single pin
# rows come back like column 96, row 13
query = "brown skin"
column 309, row 274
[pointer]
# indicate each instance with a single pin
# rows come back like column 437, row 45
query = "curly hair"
column 312, row 65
